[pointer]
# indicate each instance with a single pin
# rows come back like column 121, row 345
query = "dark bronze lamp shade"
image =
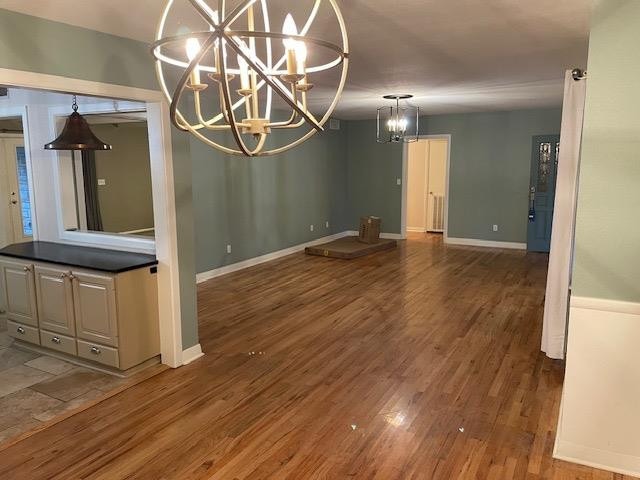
column 77, row 135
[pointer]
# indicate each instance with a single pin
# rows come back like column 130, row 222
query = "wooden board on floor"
column 349, row 247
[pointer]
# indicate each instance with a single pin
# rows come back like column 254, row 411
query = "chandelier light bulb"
column 289, row 28
column 193, row 48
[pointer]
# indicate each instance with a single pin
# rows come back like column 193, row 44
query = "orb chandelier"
column 398, row 123
column 229, row 74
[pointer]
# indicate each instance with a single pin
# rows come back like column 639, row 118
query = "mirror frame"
column 57, row 116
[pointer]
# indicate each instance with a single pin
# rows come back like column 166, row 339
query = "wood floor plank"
column 417, row 363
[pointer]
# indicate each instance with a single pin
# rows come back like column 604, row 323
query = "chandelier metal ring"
column 269, row 74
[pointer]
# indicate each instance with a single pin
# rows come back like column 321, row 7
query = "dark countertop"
column 112, row 261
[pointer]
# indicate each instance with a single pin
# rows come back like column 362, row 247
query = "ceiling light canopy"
column 398, row 123
column 226, row 71
column 77, row 135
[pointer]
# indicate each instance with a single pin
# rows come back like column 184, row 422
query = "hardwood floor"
column 417, row 363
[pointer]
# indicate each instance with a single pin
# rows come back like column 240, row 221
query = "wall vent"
column 334, row 124
column 438, row 213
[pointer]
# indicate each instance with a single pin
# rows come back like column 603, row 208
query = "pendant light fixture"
column 233, row 66
column 77, row 135
column 398, row 123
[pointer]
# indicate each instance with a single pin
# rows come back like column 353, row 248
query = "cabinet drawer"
column 58, row 342
column 23, row 332
column 98, row 353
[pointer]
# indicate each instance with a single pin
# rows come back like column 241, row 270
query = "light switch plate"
column 102, row 182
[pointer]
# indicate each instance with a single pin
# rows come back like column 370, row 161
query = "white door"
column 418, row 152
column 436, row 165
column 16, row 216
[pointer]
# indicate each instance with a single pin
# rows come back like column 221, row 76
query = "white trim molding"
column 191, row 354
column 599, row 423
column 234, row 267
column 164, row 203
column 474, row 242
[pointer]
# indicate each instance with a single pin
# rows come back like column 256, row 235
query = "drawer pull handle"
column 63, row 275
column 26, row 268
column 95, row 350
column 56, row 340
column 20, row 330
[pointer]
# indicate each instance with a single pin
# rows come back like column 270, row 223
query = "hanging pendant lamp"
column 77, row 135
column 398, row 123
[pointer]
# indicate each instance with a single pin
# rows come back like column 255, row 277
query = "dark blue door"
column 542, row 191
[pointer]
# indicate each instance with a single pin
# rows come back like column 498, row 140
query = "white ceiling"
column 453, row 55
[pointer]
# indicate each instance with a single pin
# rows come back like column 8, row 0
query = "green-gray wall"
column 607, row 239
column 126, row 201
column 261, row 205
column 489, row 171
column 32, row 44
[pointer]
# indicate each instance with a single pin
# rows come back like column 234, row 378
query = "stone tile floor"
column 36, row 388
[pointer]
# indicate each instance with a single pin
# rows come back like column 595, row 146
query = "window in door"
column 23, row 191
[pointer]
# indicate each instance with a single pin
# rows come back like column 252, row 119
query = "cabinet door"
column 55, row 300
column 19, row 291
column 94, row 301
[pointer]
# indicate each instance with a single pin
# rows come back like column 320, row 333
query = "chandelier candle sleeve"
column 290, row 28
column 193, row 48
column 244, row 100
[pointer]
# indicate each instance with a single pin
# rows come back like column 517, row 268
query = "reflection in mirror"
column 111, row 189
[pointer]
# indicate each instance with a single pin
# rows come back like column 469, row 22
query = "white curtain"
column 556, row 306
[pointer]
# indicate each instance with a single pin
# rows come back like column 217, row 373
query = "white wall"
column 600, row 419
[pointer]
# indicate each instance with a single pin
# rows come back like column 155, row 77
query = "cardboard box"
column 370, row 229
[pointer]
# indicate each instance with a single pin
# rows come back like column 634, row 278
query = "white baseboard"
column 601, row 459
column 473, row 242
column 416, row 230
column 234, row 267
column 191, row 354
column 598, row 423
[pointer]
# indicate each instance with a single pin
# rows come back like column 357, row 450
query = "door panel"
column 542, row 189
column 94, row 302
column 436, row 184
column 19, row 194
column 55, row 300
column 19, row 292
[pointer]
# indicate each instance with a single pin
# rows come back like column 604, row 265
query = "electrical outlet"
column 228, row 248
column 311, row 228
column 495, row 228
column 326, row 224
column 398, row 181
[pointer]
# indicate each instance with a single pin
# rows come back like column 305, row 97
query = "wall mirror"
column 111, row 189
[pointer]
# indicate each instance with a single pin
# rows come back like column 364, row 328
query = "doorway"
column 16, row 216
column 542, row 191
column 426, row 184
